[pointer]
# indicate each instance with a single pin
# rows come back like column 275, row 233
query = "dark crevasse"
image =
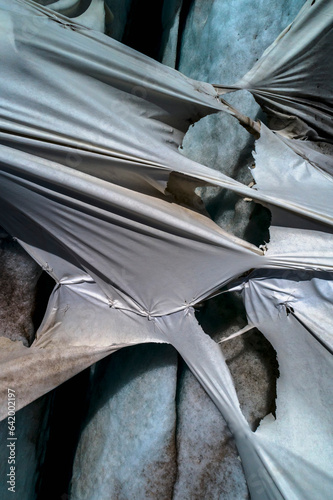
column 68, row 405
column 143, row 31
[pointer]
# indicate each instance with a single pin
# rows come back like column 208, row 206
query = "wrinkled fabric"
column 292, row 80
column 93, row 14
column 295, row 180
column 294, row 312
column 89, row 137
column 80, row 327
column 127, row 122
column 148, row 255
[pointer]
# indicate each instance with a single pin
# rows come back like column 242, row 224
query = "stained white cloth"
column 89, row 136
column 294, row 312
column 293, row 78
column 298, row 180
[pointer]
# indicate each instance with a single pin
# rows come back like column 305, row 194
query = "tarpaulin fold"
column 297, row 182
column 293, row 78
column 126, row 122
column 294, row 312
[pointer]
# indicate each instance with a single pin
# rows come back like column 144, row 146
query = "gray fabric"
column 147, row 255
column 293, row 78
column 293, row 179
column 80, row 327
column 294, row 311
column 128, row 118
column 89, row 137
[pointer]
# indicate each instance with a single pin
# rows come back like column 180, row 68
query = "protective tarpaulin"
column 287, row 457
column 295, row 180
column 95, row 14
column 293, row 78
column 294, row 312
column 126, row 123
column 89, row 137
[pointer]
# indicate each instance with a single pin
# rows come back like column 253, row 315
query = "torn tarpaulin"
column 95, row 14
column 294, row 312
column 125, row 128
column 83, row 189
column 292, row 80
column 297, row 184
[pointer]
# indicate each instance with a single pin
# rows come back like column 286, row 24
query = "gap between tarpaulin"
column 206, row 361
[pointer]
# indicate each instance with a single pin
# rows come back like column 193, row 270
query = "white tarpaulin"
column 294, row 311
column 293, row 78
column 293, row 180
column 89, row 131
